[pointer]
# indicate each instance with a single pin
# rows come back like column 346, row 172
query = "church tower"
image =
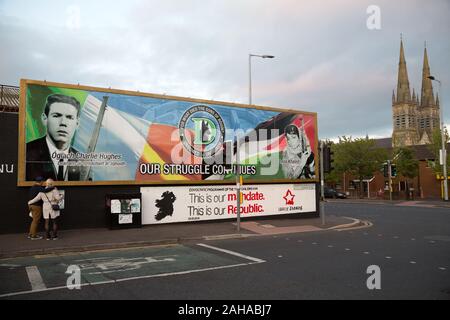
column 428, row 110
column 404, row 108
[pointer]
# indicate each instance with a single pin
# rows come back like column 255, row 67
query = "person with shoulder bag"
column 51, row 211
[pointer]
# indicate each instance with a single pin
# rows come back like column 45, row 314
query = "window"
column 397, row 121
column 422, row 123
column 402, row 185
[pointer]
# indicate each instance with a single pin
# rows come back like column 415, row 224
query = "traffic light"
column 327, row 159
column 393, row 170
column 386, row 170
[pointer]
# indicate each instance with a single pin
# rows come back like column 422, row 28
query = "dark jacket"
column 34, row 192
column 39, row 162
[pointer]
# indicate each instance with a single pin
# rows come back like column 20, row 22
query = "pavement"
column 407, row 203
column 18, row 245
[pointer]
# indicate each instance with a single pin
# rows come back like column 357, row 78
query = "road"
column 410, row 245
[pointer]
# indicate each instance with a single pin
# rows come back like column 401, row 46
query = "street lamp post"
column 264, row 56
column 444, row 149
column 238, row 167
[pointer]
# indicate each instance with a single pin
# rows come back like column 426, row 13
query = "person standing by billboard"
column 49, row 196
column 35, row 209
column 48, row 156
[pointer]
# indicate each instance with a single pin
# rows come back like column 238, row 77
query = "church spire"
column 427, row 96
column 403, row 93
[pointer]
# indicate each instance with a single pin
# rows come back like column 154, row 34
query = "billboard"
column 80, row 135
column 201, row 203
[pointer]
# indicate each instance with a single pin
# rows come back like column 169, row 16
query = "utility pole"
column 238, row 186
column 390, row 179
column 238, row 166
column 322, row 185
column 444, row 145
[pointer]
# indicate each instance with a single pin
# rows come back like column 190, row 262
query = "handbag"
column 55, row 207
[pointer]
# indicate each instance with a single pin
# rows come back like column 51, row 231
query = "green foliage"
column 407, row 165
column 435, row 146
column 359, row 157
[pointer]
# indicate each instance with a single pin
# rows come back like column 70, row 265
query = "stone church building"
column 414, row 118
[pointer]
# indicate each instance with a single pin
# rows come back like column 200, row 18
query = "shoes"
column 55, row 238
column 35, row 237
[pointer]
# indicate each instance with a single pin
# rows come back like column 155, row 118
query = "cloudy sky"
column 327, row 60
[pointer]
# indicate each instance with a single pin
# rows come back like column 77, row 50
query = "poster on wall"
column 201, row 203
column 115, row 206
column 86, row 135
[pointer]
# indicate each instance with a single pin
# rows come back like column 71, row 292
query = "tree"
column 435, row 146
column 359, row 157
column 407, row 165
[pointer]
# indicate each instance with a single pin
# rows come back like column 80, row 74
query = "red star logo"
column 289, row 197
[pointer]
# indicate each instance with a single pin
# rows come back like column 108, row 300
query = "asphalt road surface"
column 409, row 245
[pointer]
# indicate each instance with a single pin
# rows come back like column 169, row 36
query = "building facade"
column 414, row 118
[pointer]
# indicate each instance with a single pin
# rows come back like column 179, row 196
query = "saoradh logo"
column 202, row 131
column 205, row 131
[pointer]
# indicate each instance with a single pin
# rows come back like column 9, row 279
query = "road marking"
column 184, row 272
column 228, row 236
column 7, row 265
column 432, row 241
column 35, row 278
column 74, row 253
column 396, row 237
column 355, row 225
column 438, row 238
column 442, row 268
column 412, row 262
column 412, row 239
column 118, row 264
column 347, row 249
column 280, row 256
column 300, row 241
column 232, row 253
column 380, row 235
column 366, row 252
column 314, row 243
column 330, row 246
column 39, row 286
column 388, row 257
column 128, row 279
